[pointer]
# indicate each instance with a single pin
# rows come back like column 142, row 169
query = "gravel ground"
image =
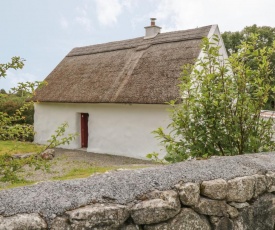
column 65, row 160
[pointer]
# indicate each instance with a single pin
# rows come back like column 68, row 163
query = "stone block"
column 161, row 207
column 239, row 205
column 270, row 178
column 23, row 221
column 258, row 215
column 215, row 208
column 105, row 216
column 223, row 223
column 187, row 219
column 189, row 193
column 214, row 189
column 60, row 223
column 240, row 189
column 260, row 185
column 48, row 154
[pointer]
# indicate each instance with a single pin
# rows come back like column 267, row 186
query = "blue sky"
column 43, row 32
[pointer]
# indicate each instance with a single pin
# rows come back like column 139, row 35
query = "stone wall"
column 220, row 193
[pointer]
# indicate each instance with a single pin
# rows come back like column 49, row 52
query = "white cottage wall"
column 119, row 129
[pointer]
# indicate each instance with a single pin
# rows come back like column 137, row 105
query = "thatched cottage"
column 114, row 94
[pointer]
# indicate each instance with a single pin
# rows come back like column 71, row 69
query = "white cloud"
column 129, row 4
column 83, row 18
column 85, row 22
column 13, row 78
column 108, row 11
column 175, row 15
column 229, row 14
column 64, row 23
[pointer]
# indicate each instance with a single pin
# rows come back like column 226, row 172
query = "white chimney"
column 152, row 30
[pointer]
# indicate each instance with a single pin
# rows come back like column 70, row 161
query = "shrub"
column 219, row 112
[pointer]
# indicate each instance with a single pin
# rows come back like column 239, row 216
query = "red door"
column 84, row 130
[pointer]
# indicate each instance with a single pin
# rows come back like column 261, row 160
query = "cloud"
column 175, row 15
column 64, row 23
column 130, row 4
column 13, row 78
column 108, row 11
column 229, row 14
column 83, row 18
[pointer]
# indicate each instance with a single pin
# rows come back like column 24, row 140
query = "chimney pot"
column 153, row 21
column 152, row 30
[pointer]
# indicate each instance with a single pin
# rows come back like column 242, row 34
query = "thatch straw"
column 144, row 71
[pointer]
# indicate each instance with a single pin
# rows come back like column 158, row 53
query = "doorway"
column 84, row 130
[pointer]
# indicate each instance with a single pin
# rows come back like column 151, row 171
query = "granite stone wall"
column 219, row 202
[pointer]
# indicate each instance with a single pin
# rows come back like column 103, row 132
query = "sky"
column 44, row 32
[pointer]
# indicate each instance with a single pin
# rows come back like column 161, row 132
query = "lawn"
column 67, row 164
column 15, row 147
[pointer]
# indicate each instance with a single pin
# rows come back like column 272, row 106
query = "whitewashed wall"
column 119, row 129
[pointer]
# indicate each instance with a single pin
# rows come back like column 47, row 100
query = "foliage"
column 232, row 40
column 16, row 63
column 58, row 138
column 10, row 103
column 14, row 127
column 10, row 166
column 220, row 107
column 3, row 91
column 26, row 89
column 154, row 156
column 266, row 37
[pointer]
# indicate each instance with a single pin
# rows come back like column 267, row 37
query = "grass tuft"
column 83, row 172
column 15, row 147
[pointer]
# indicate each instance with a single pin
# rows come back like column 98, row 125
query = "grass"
column 15, row 147
column 86, row 172
column 78, row 169
column 83, row 172
column 18, row 184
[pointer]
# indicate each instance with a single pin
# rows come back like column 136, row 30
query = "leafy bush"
column 10, row 166
column 219, row 112
column 13, row 126
column 10, row 103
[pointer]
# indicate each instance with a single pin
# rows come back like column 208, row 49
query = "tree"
column 219, row 112
column 266, row 37
column 13, row 126
column 3, row 91
column 16, row 63
column 232, row 40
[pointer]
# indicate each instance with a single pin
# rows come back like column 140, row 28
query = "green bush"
column 219, row 112
column 10, row 103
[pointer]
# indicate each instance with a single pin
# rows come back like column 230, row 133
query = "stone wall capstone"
column 193, row 195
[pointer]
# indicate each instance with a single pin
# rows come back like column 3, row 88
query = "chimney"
column 152, row 30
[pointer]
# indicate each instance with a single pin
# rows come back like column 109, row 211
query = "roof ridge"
column 134, row 43
column 136, row 46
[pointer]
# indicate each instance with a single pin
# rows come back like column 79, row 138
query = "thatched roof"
column 139, row 70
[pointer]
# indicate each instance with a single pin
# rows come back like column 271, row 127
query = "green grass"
column 83, row 172
column 86, row 172
column 75, row 173
column 18, row 184
column 14, row 147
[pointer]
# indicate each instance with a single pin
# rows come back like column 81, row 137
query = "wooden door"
column 84, row 130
